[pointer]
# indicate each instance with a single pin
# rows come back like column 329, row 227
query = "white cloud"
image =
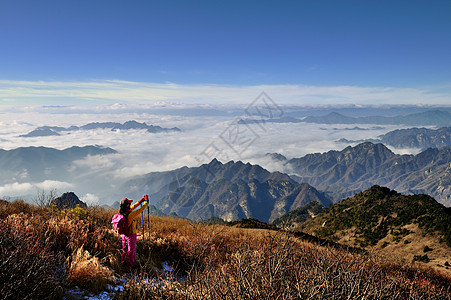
column 141, row 152
column 114, row 91
column 48, row 185
column 90, row 199
column 17, row 189
column 96, row 162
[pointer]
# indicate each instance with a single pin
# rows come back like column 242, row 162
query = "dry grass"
column 216, row 262
column 28, row 268
column 86, row 271
column 402, row 249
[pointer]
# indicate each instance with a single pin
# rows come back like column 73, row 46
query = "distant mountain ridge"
column 32, row 163
column 229, row 191
column 344, row 173
column 54, row 130
column 421, row 138
column 432, row 117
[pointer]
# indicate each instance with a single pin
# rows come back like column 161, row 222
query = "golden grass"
column 404, row 249
column 87, row 272
column 218, row 262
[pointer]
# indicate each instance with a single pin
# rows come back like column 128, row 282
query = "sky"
column 108, row 52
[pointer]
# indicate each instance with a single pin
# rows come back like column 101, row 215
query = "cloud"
column 116, row 91
column 90, row 199
column 140, row 152
column 53, row 184
column 17, row 189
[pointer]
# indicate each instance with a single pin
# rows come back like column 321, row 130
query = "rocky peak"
column 68, row 200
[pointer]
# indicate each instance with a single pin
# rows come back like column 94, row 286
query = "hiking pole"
column 148, row 220
column 142, row 223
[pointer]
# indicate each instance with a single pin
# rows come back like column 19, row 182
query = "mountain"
column 433, row 117
column 229, row 191
column 422, row 138
column 276, row 156
column 344, row 173
column 278, row 120
column 53, row 130
column 40, row 163
column 299, row 196
column 382, row 218
column 68, row 200
column 40, row 132
column 159, row 184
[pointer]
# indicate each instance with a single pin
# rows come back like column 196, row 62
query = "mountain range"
column 344, row 173
column 236, row 190
column 432, row 118
column 40, row 163
column 420, row 138
column 230, row 191
column 54, row 130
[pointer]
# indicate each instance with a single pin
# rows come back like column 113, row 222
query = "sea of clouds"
column 206, row 132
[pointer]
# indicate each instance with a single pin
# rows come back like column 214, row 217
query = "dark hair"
column 123, row 209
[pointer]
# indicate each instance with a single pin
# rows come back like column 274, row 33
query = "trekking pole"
column 142, row 223
column 148, row 221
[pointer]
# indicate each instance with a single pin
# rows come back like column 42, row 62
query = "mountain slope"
column 378, row 210
column 299, row 215
column 230, row 191
column 418, row 138
column 343, row 173
column 382, row 218
column 299, row 196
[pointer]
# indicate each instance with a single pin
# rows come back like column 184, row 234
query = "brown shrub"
column 27, row 266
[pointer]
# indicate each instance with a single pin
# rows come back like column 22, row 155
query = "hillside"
column 74, row 254
column 382, row 218
column 229, row 191
column 344, row 173
column 299, row 215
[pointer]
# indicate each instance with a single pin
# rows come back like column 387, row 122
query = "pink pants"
column 129, row 249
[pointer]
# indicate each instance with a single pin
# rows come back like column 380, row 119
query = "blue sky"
column 177, row 50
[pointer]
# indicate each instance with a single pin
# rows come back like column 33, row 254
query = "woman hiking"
column 129, row 239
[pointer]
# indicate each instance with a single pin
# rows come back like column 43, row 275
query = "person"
column 129, row 240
